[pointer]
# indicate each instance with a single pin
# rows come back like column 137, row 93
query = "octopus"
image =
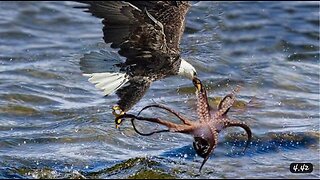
column 206, row 129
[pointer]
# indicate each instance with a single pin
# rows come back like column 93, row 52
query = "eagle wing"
column 142, row 31
column 172, row 15
column 136, row 30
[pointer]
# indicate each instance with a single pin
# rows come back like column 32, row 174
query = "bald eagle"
column 148, row 35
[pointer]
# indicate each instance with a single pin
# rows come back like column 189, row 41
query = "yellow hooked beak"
column 199, row 87
column 197, row 83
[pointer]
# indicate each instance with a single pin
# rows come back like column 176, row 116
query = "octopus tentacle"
column 243, row 126
column 155, row 120
column 173, row 127
column 146, row 134
column 203, row 107
column 203, row 162
column 226, row 103
column 177, row 114
column 186, row 129
column 206, row 130
column 215, row 134
column 177, row 129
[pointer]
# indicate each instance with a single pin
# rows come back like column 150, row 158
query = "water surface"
column 55, row 124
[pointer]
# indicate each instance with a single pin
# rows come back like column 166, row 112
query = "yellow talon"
column 117, row 111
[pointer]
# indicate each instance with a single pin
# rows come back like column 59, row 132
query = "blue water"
column 56, row 124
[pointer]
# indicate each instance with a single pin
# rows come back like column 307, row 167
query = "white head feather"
column 187, row 70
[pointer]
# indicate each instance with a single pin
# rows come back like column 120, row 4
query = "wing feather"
column 172, row 16
column 129, row 28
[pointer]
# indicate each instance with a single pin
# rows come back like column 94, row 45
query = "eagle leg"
column 117, row 111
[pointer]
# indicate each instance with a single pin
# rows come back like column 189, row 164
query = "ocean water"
column 56, row 124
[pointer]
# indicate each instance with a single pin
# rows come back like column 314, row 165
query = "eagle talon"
column 117, row 111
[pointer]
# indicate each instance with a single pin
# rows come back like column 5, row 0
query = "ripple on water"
column 18, row 110
column 27, row 98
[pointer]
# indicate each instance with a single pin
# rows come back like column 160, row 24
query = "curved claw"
column 243, row 126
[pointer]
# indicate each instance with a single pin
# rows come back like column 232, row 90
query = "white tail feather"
column 107, row 81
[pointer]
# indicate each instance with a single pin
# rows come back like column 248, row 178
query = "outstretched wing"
column 171, row 14
column 134, row 30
